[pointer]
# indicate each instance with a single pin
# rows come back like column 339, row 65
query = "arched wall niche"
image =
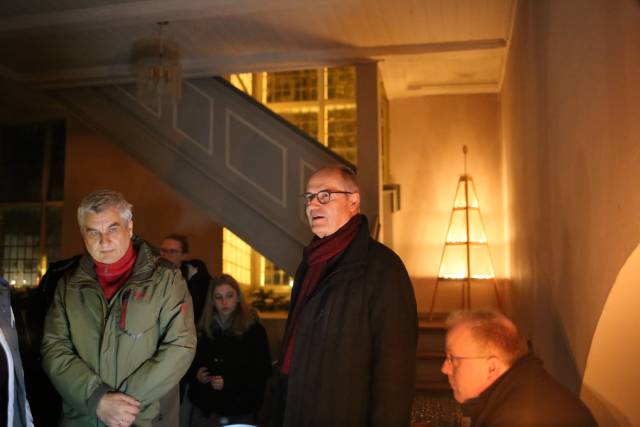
column 611, row 384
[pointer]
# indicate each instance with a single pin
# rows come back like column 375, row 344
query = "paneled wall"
column 93, row 162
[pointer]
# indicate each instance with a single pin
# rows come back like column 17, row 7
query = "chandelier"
column 158, row 69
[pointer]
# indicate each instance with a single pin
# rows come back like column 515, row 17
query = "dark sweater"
column 527, row 396
column 243, row 361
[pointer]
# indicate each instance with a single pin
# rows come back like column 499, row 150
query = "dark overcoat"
column 527, row 396
column 355, row 351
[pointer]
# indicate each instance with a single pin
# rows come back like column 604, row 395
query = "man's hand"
column 217, row 382
column 117, row 409
column 203, row 375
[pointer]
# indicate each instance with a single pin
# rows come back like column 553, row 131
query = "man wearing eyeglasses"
column 499, row 382
column 348, row 352
column 175, row 248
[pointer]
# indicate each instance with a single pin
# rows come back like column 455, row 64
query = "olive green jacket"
column 141, row 342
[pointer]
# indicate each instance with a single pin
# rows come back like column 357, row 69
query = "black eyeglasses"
column 170, row 251
column 323, row 196
column 452, row 359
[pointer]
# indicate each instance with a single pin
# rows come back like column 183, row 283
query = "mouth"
column 316, row 217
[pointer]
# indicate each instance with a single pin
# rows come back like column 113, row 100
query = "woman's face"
column 226, row 299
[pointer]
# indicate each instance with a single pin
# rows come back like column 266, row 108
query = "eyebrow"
column 117, row 224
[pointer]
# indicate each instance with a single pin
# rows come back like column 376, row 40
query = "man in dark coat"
column 499, row 382
column 348, row 353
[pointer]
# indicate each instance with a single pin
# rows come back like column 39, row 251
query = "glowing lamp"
column 465, row 256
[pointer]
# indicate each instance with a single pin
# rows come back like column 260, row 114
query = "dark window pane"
column 21, row 152
column 54, row 233
column 19, row 245
column 56, row 176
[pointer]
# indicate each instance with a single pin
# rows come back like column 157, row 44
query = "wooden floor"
column 433, row 410
column 433, row 404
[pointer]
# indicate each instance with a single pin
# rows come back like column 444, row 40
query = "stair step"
column 426, row 386
column 429, row 370
column 439, row 355
column 431, row 337
column 432, row 324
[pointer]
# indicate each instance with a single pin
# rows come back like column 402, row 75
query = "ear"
column 130, row 228
column 354, row 202
column 493, row 367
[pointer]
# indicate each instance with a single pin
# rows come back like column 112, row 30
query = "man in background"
column 175, row 248
column 499, row 382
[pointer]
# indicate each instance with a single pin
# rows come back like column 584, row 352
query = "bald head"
column 492, row 331
column 327, row 216
column 346, row 174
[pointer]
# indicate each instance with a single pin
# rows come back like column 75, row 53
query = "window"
column 247, row 265
column 31, row 212
column 321, row 103
column 236, row 257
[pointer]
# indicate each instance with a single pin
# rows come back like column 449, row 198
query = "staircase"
column 433, row 404
column 239, row 162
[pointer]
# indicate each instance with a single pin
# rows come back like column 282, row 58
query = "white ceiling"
column 424, row 47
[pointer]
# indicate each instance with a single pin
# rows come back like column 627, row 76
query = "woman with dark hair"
column 232, row 362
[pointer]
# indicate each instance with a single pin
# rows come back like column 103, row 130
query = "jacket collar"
column 474, row 407
column 355, row 255
column 142, row 269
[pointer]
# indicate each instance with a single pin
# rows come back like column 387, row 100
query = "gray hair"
column 346, row 173
column 100, row 200
column 492, row 329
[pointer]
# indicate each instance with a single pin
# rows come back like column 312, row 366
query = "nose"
column 446, row 367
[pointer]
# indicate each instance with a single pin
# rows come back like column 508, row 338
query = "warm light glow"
column 262, row 271
column 481, row 276
column 462, row 251
column 43, row 265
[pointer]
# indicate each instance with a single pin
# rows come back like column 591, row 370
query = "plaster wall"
column 92, row 162
column 571, row 152
column 426, row 159
column 610, row 380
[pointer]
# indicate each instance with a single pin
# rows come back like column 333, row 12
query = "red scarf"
column 318, row 255
column 112, row 276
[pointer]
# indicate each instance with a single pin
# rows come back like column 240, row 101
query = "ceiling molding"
column 122, row 14
column 266, row 61
column 448, row 90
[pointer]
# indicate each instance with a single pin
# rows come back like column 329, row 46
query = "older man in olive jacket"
column 119, row 334
column 348, row 353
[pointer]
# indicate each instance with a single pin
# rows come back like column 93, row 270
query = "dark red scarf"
column 318, row 255
column 112, row 276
